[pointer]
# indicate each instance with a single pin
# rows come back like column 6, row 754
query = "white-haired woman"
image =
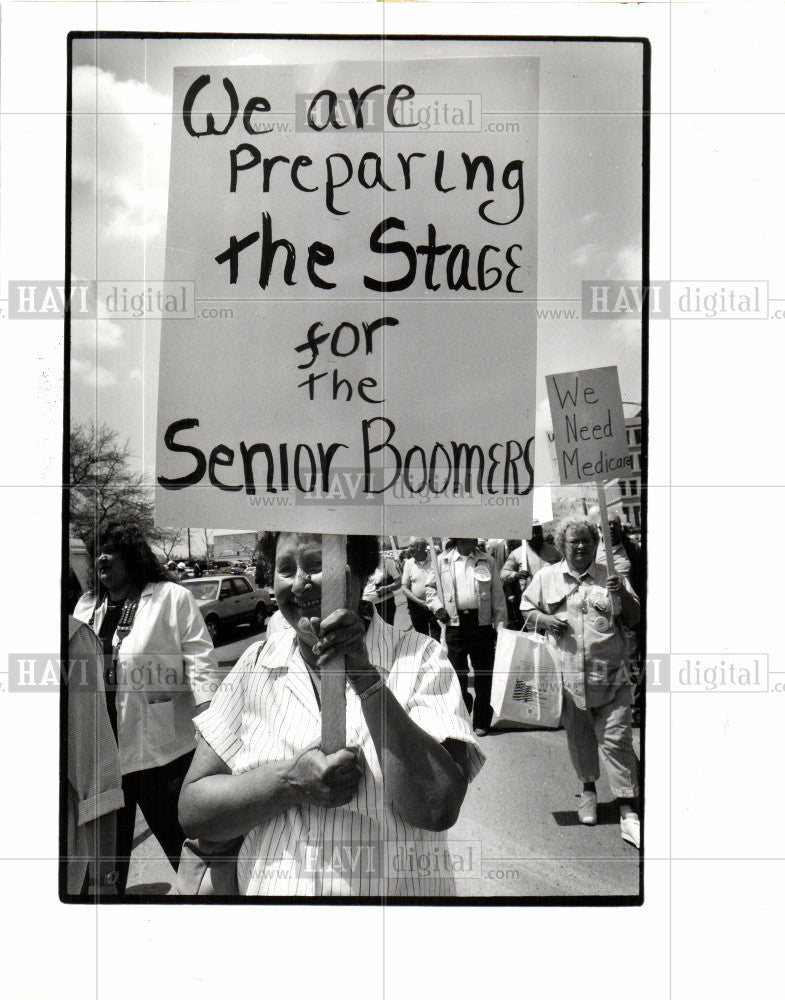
column 571, row 601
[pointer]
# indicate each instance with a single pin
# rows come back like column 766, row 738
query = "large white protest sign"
column 590, row 435
column 363, row 250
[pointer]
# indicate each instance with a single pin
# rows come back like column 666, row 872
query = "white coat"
column 166, row 668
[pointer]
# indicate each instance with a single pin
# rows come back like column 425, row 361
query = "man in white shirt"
column 468, row 598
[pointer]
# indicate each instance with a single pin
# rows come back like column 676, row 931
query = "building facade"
column 624, row 495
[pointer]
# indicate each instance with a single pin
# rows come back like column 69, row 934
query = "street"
column 518, row 832
column 521, row 810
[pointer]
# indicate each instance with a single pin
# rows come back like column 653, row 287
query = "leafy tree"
column 103, row 487
column 263, row 568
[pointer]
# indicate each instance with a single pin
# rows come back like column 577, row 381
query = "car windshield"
column 202, row 590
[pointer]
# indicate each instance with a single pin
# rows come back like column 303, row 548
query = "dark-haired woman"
column 160, row 672
column 369, row 819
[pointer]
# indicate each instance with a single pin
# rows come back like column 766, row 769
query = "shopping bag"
column 526, row 689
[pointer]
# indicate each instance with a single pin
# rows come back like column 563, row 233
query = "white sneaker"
column 587, row 808
column 631, row 829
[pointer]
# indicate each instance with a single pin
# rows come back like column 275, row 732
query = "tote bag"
column 527, row 688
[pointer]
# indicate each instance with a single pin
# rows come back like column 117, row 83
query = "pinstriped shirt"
column 266, row 710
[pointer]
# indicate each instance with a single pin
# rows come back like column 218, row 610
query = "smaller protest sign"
column 590, row 436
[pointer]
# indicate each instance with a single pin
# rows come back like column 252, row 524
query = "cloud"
column 101, row 335
column 94, row 377
column 596, row 260
column 120, row 166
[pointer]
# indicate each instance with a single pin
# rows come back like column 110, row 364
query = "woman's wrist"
column 370, row 692
column 290, row 790
column 366, row 679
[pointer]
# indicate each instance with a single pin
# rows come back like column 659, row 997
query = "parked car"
column 230, row 600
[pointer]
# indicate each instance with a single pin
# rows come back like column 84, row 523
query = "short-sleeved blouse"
column 266, row 710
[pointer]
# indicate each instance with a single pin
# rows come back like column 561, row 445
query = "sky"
column 589, row 208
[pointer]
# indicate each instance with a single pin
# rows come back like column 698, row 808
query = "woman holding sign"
column 571, row 602
column 369, row 819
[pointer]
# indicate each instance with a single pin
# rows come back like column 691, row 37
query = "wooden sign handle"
column 334, row 673
column 606, row 538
